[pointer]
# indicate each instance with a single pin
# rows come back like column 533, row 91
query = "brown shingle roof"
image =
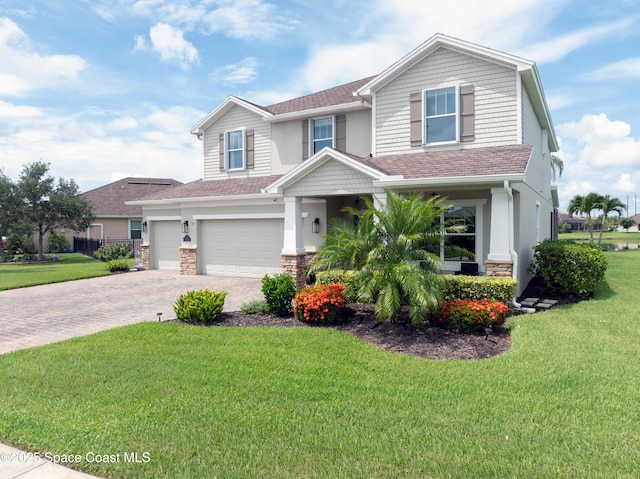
column 498, row 160
column 330, row 97
column 109, row 200
column 204, row 189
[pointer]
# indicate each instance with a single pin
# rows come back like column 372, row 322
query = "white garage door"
column 247, row 247
column 165, row 245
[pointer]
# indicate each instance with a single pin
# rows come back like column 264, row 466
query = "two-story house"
column 450, row 118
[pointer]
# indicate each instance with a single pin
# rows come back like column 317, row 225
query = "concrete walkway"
column 45, row 314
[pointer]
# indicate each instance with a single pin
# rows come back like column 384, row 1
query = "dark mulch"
column 422, row 341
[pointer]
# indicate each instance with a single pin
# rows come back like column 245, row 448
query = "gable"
column 236, row 118
column 495, row 104
column 331, row 178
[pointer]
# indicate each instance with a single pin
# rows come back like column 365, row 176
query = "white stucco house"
column 450, row 118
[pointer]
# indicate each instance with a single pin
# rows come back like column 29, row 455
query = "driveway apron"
column 44, row 314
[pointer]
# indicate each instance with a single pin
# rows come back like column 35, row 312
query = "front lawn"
column 281, row 402
column 72, row 266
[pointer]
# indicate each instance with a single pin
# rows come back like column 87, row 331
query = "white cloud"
column 622, row 70
column 8, row 110
column 25, row 70
column 557, row 48
column 245, row 71
column 170, row 44
column 253, row 19
column 244, row 19
column 600, row 155
column 94, row 146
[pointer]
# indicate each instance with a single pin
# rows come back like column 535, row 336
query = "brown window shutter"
column 249, row 148
column 467, row 113
column 415, row 118
column 341, row 133
column 221, row 143
column 305, row 140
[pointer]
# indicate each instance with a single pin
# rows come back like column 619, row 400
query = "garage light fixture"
column 144, row 226
column 315, row 226
column 185, row 227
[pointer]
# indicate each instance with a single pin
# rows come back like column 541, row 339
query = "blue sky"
column 104, row 89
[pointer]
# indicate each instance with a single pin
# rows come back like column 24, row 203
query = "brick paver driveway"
column 45, row 314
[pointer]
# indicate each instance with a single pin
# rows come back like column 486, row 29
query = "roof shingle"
column 109, row 200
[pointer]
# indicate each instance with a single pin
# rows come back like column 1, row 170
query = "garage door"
column 165, row 245
column 247, row 247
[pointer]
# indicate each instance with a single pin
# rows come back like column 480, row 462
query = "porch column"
column 293, row 257
column 499, row 260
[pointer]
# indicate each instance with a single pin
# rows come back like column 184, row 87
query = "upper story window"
column 322, row 131
column 235, row 150
column 441, row 115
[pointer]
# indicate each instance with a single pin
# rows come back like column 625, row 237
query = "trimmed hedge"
column 568, row 268
column 342, row 276
column 479, row 288
column 468, row 315
column 202, row 306
column 279, row 290
column 454, row 286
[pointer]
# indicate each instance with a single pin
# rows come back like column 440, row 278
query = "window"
column 465, row 240
column 235, row 149
column 135, row 229
column 441, row 115
column 322, row 134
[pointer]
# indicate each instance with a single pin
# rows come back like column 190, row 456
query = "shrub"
column 278, row 291
column 466, row 315
column 323, row 303
column 58, row 243
column 118, row 265
column 568, row 268
column 342, row 276
column 479, row 287
column 19, row 244
column 255, row 306
column 113, row 251
column 202, row 306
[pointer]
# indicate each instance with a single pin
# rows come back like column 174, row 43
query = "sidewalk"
column 17, row 464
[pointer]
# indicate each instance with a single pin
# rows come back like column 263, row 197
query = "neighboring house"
column 450, row 118
column 575, row 222
column 116, row 220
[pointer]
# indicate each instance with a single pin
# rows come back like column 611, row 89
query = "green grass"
column 72, row 266
column 612, row 236
column 563, row 402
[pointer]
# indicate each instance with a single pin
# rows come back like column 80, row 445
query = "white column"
column 293, row 237
column 499, row 247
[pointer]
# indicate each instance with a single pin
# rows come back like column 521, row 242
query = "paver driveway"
column 44, row 314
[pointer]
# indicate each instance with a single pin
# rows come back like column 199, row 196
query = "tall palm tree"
column 557, row 167
column 609, row 205
column 391, row 249
column 584, row 205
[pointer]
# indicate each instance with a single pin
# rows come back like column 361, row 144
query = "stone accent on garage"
column 499, row 268
column 296, row 266
column 144, row 256
column 188, row 260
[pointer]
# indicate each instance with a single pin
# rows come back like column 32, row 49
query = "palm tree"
column 584, row 205
column 391, row 248
column 609, row 205
column 557, row 167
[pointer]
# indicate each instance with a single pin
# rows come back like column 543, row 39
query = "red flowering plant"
column 322, row 303
column 467, row 315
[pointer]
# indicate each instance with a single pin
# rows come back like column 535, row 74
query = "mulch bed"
column 426, row 341
column 423, row 341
